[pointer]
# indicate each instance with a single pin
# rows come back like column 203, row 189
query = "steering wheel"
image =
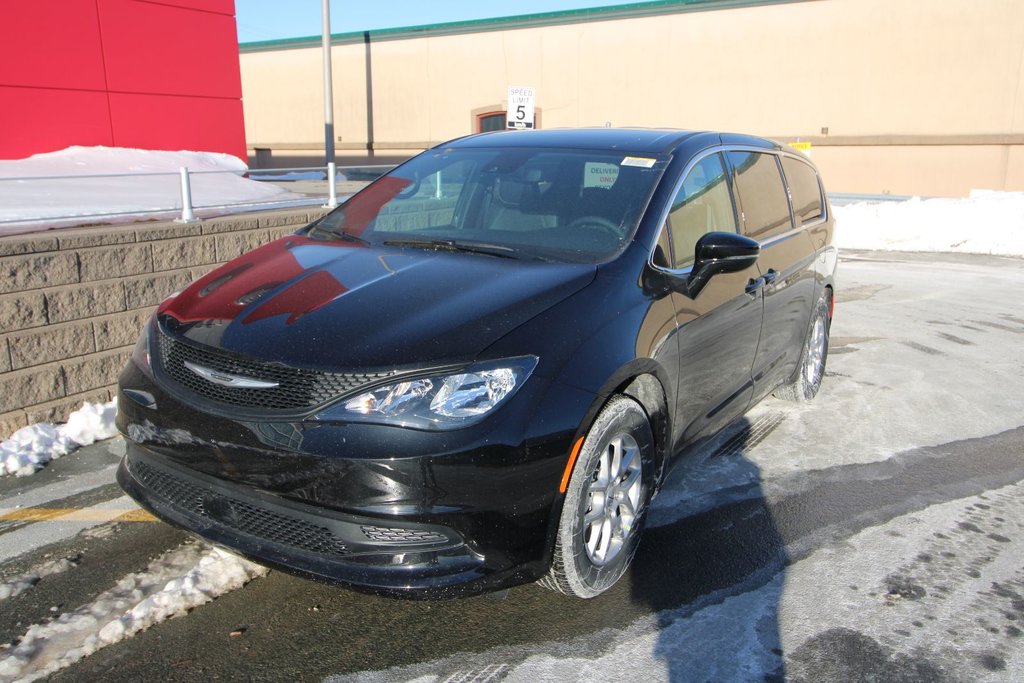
column 602, row 224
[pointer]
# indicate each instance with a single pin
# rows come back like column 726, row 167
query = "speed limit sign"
column 520, row 107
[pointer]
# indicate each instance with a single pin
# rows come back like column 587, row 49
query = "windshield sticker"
column 597, row 174
column 642, row 162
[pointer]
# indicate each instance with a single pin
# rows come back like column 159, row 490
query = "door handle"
column 770, row 276
column 753, row 285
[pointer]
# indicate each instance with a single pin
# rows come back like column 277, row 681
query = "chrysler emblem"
column 227, row 380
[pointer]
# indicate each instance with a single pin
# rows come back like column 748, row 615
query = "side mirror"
column 720, row 252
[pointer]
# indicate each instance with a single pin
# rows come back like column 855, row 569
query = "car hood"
column 315, row 304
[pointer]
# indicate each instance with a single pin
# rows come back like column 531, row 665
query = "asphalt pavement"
column 873, row 534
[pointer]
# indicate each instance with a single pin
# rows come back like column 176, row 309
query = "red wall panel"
column 175, row 122
column 219, row 6
column 154, row 48
column 51, row 45
column 36, row 120
column 156, row 74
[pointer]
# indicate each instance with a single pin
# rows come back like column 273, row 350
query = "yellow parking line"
column 138, row 515
column 33, row 514
column 76, row 515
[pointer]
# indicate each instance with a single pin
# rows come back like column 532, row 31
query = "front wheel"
column 806, row 381
column 605, row 503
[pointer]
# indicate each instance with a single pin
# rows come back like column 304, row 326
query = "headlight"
column 140, row 354
column 439, row 402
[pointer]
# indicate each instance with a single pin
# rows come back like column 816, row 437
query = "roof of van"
column 638, row 140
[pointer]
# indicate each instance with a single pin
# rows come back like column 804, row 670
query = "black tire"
column 596, row 541
column 810, row 371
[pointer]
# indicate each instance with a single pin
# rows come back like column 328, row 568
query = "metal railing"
column 187, row 208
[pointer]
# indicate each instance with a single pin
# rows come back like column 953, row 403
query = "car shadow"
column 711, row 564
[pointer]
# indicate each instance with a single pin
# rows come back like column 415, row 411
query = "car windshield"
column 553, row 204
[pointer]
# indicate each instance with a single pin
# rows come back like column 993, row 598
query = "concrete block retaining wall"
column 72, row 301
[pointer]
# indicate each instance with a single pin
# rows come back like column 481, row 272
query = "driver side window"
column 703, row 205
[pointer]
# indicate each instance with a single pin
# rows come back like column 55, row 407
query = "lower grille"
column 397, row 535
column 238, row 514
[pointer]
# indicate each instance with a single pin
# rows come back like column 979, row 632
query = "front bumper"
column 302, row 539
column 383, row 509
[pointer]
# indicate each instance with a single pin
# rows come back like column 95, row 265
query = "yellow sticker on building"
column 804, row 147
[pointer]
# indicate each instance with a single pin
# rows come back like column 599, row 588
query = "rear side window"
column 762, row 194
column 703, row 205
column 804, row 189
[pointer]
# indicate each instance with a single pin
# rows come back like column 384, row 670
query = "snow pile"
column 70, row 201
column 174, row 583
column 987, row 222
column 91, row 423
column 16, row 585
column 30, row 448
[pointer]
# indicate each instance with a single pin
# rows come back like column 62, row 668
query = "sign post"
column 521, row 100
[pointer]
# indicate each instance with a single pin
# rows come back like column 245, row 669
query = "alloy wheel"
column 615, row 496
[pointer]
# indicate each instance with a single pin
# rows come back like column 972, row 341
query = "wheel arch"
column 646, row 382
column 648, row 391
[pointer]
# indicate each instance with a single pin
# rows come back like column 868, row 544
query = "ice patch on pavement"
column 681, row 644
column 174, row 583
column 30, row 448
column 16, row 585
column 881, row 593
column 986, row 222
column 800, row 621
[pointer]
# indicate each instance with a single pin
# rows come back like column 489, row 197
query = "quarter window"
column 703, row 205
column 804, row 190
column 762, row 194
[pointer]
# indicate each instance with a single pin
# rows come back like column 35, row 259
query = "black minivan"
column 475, row 372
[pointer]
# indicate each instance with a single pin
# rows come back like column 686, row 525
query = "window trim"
column 723, row 161
column 821, row 190
column 785, row 188
column 779, row 152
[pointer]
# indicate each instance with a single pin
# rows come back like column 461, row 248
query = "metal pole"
column 332, row 198
column 187, row 215
column 328, row 86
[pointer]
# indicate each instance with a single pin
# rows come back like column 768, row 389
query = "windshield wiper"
column 499, row 250
column 336, row 234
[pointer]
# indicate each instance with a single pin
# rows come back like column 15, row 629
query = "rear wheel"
column 605, row 503
column 806, row 381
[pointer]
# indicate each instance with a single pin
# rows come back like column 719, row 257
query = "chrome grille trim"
column 296, row 389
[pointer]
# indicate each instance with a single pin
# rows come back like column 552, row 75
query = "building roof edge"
column 573, row 16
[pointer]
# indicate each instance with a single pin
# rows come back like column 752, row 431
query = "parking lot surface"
column 873, row 534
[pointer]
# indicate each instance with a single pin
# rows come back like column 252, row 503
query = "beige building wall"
column 896, row 96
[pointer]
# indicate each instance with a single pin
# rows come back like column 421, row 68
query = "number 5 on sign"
column 520, row 107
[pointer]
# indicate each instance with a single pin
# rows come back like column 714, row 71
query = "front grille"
column 297, row 389
column 238, row 514
column 387, row 534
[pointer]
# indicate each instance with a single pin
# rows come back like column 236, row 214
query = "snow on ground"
column 987, row 222
column 30, row 448
column 27, row 205
column 16, row 585
column 887, row 589
column 172, row 584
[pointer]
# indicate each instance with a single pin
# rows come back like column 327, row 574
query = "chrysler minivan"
column 476, row 372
